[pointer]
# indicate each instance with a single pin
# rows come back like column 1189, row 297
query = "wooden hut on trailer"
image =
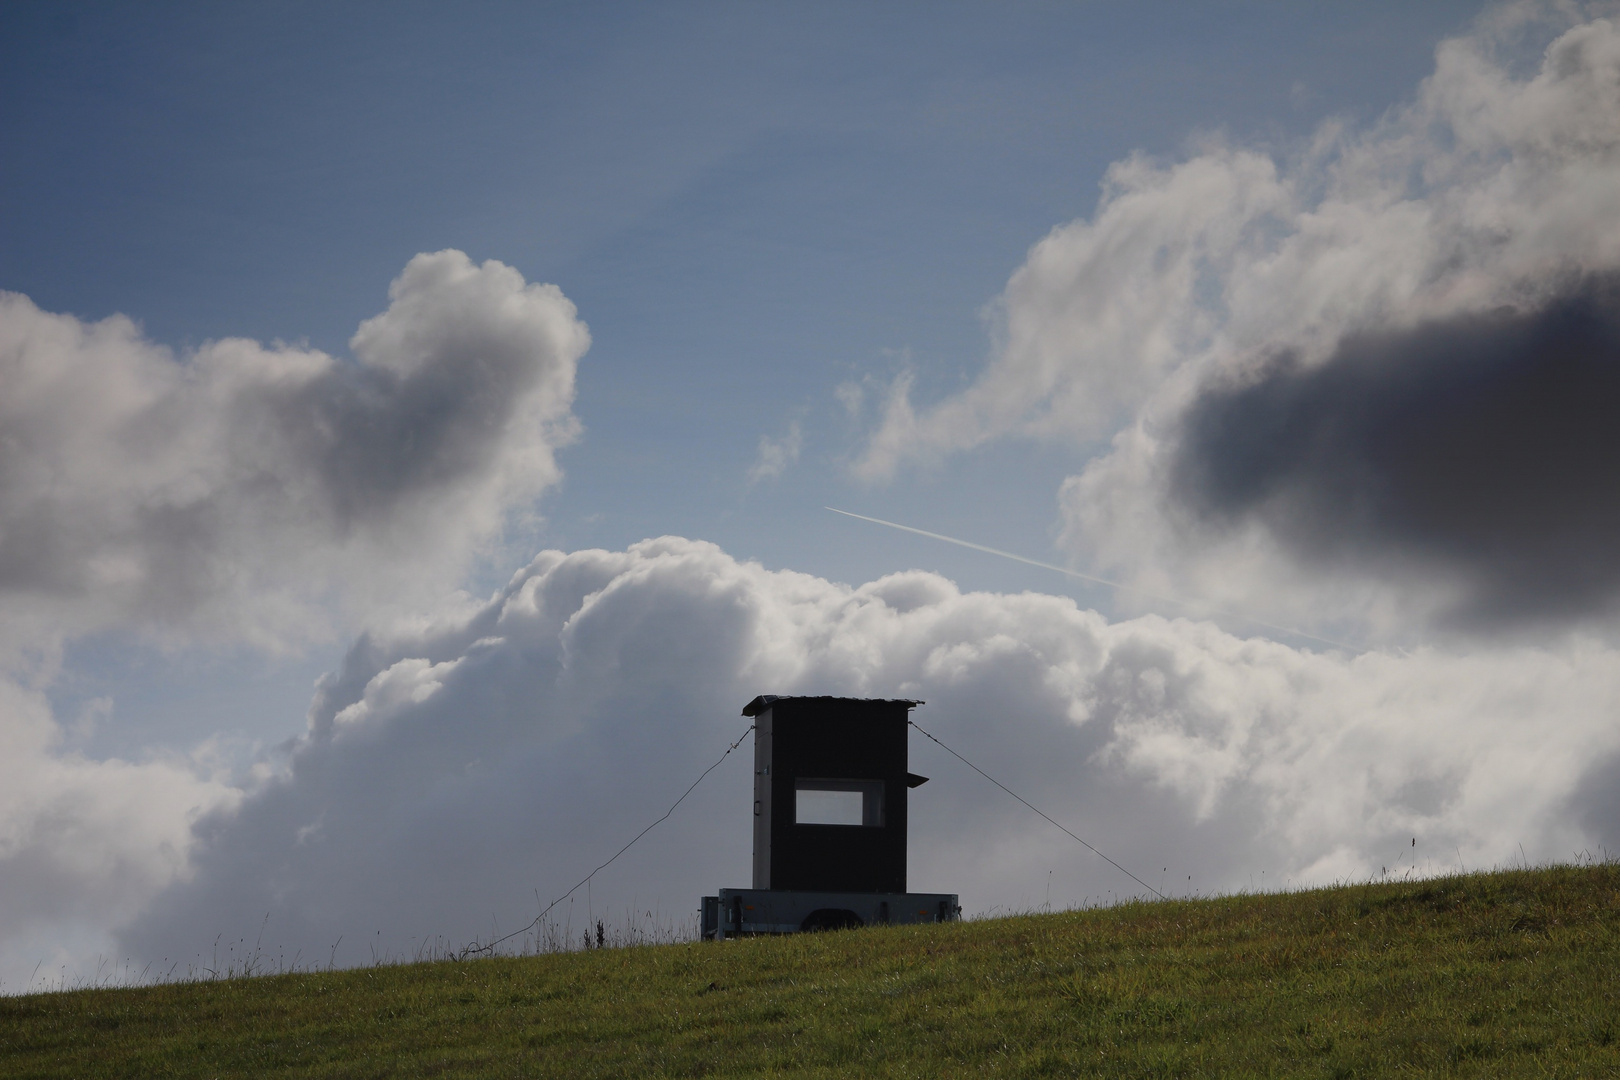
column 830, row 810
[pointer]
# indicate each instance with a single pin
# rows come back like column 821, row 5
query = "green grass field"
column 1504, row 974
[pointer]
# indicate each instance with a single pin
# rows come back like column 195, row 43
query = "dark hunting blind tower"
column 830, row 786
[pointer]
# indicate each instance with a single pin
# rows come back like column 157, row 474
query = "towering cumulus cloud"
column 1365, row 381
column 1366, row 385
column 241, row 493
column 452, row 777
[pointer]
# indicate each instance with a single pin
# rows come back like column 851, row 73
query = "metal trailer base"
column 736, row 912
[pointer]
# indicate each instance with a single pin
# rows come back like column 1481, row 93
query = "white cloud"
column 1498, row 182
column 1100, row 312
column 84, row 844
column 777, row 454
column 241, row 493
column 239, row 490
column 451, row 774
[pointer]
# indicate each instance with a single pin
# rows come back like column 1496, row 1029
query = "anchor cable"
column 1039, row 811
column 582, row 881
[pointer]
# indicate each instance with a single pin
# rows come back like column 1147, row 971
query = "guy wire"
column 1038, row 810
column 584, row 880
column 490, row 947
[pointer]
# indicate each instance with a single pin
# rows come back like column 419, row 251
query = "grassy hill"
column 1505, row 974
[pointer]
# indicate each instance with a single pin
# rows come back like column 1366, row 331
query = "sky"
column 418, row 425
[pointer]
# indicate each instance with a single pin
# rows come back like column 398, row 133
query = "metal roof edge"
column 765, row 701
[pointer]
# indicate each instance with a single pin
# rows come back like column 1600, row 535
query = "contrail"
column 1097, row 580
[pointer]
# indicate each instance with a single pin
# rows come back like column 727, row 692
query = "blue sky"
column 778, row 222
column 749, row 204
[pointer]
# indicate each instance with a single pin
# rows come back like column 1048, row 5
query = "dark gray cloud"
column 1484, row 447
column 1596, row 804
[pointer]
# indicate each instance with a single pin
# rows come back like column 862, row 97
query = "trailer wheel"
column 831, row 919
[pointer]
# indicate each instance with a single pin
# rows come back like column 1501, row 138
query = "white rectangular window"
column 838, row 802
